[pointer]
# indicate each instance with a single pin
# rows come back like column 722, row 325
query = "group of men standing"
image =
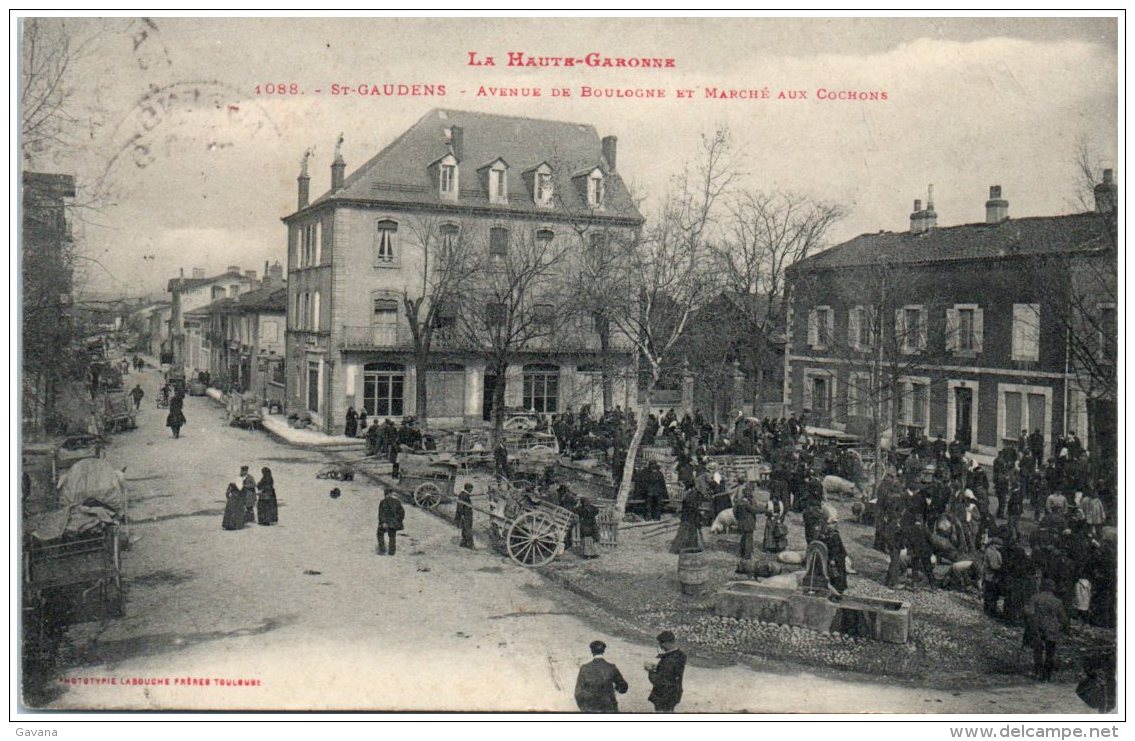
column 599, row 680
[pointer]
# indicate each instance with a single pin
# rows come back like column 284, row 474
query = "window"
column 498, row 184
column 541, row 388
column 498, row 241
column 820, row 325
column 386, row 242
column 1108, row 324
column 448, row 178
column 964, row 329
column 496, row 314
column 595, row 190
column 544, row 237
column 316, row 317
column 915, row 403
column 859, row 395
column 861, row 328
column 385, row 312
column 384, row 387
column 309, row 245
column 1026, row 332
column 449, row 234
column 820, row 388
column 543, row 314
column 544, row 188
column 313, row 386
column 910, row 328
column 1022, row 408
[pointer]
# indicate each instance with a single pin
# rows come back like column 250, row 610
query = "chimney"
column 924, row 219
column 251, row 275
column 996, row 208
column 457, row 142
column 275, row 273
column 198, row 272
column 338, row 167
column 232, row 269
column 304, row 181
column 1106, row 193
column 181, row 273
column 609, row 151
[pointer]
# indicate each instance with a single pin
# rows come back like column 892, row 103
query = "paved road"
column 309, row 611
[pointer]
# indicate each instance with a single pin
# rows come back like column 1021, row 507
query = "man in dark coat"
column 373, row 434
column 813, row 520
column 655, row 485
column 598, row 682
column 390, row 516
column 1036, row 446
column 136, row 394
column 1047, row 622
column 465, row 516
column 666, row 674
column 500, row 459
column 746, row 516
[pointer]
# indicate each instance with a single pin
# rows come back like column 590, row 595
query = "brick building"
column 354, row 252
column 975, row 330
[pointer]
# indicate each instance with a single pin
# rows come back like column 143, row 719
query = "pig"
column 838, row 485
column 724, row 522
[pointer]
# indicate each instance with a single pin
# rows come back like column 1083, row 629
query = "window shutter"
column 978, row 329
column 813, row 329
column 952, row 330
column 853, row 328
column 900, row 329
column 829, row 321
column 1032, row 332
column 315, row 311
column 317, row 247
column 922, row 327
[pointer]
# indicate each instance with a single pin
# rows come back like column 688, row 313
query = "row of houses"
column 976, row 331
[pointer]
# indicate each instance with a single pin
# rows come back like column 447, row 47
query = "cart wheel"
column 540, row 449
column 427, row 495
column 533, row 539
column 523, row 485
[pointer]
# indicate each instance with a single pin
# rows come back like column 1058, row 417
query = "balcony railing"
column 400, row 338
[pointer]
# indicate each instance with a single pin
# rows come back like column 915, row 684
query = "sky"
column 199, row 167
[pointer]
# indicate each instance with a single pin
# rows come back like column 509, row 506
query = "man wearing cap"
column 390, row 516
column 666, row 674
column 465, row 516
column 598, row 682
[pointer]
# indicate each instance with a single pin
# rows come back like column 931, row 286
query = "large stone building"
column 980, row 330
column 356, row 250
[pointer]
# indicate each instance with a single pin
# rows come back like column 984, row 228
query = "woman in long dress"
column 776, row 531
column 234, row 509
column 588, row 527
column 689, row 527
column 352, row 427
column 267, row 510
column 175, row 420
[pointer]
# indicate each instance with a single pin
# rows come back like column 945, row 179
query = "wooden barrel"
column 693, row 571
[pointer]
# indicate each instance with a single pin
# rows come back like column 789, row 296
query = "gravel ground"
column 953, row 643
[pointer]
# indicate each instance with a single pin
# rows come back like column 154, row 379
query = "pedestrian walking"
column 267, row 508
column 597, row 683
column 234, row 509
column 390, row 516
column 175, row 420
column 1047, row 621
column 666, row 674
column 465, row 516
column 248, row 490
column 137, row 394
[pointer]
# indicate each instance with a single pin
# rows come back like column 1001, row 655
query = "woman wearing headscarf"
column 234, row 509
column 267, row 509
column 776, row 531
column 588, row 527
column 689, row 527
column 352, row 427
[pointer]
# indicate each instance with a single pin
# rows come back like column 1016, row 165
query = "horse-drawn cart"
column 243, row 410
column 429, row 482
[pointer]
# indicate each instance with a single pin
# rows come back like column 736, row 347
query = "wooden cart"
column 89, row 567
column 429, row 485
column 529, row 530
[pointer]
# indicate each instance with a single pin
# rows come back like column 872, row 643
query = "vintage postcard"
column 593, row 364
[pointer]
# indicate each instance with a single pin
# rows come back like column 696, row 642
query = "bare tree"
column 431, row 303
column 510, row 304
column 669, row 276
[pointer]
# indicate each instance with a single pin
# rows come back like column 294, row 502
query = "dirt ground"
column 318, row 621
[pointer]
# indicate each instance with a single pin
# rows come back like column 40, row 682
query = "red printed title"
column 224, row 682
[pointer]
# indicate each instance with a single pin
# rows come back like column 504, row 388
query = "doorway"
column 487, row 397
column 963, row 415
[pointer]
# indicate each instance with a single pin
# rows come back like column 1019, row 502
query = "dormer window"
column 498, row 185
column 544, row 188
column 447, row 181
column 595, row 190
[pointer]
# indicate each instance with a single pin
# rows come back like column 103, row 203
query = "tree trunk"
column 421, row 402
column 608, row 382
column 498, row 404
column 632, row 453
